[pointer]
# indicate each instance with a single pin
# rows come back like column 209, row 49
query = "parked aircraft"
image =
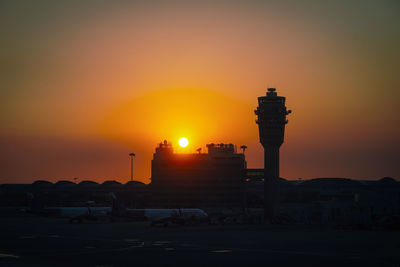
column 77, row 214
column 118, row 210
column 159, row 216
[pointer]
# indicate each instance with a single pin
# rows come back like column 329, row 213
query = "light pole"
column 132, row 155
column 243, row 148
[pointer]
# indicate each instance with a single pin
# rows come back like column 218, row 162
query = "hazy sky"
column 84, row 83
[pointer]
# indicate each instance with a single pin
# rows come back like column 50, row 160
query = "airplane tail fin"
column 118, row 207
column 33, row 203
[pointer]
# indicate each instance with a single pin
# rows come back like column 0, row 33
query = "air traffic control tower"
column 271, row 119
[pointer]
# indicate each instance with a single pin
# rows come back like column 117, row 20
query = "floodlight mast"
column 132, row 155
column 271, row 119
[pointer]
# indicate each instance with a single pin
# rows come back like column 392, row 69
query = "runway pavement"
column 35, row 241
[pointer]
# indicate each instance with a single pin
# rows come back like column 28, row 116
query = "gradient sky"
column 84, row 83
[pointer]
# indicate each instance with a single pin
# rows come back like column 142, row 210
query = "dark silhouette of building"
column 271, row 119
column 213, row 179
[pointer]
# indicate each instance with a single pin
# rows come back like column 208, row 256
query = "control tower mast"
column 271, row 119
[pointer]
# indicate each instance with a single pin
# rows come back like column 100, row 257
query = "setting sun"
column 183, row 142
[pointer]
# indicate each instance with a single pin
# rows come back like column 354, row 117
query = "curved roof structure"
column 88, row 183
column 64, row 183
column 42, row 183
column 111, row 182
column 330, row 182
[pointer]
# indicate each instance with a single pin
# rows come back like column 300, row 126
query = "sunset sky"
column 84, row 83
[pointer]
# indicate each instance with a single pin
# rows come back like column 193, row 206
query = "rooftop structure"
column 215, row 178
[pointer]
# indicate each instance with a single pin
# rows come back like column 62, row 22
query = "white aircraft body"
column 155, row 216
column 159, row 216
column 179, row 216
column 73, row 213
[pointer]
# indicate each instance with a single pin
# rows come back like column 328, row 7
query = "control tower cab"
column 271, row 119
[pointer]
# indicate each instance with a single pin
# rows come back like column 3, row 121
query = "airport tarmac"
column 36, row 241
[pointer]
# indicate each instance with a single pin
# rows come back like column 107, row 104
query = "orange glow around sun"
column 204, row 115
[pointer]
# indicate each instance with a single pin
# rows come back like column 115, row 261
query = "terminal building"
column 203, row 180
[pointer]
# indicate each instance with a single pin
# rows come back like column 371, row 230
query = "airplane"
column 176, row 216
column 78, row 214
column 158, row 216
column 118, row 210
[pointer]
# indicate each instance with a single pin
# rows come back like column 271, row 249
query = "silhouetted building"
column 271, row 119
column 213, row 179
